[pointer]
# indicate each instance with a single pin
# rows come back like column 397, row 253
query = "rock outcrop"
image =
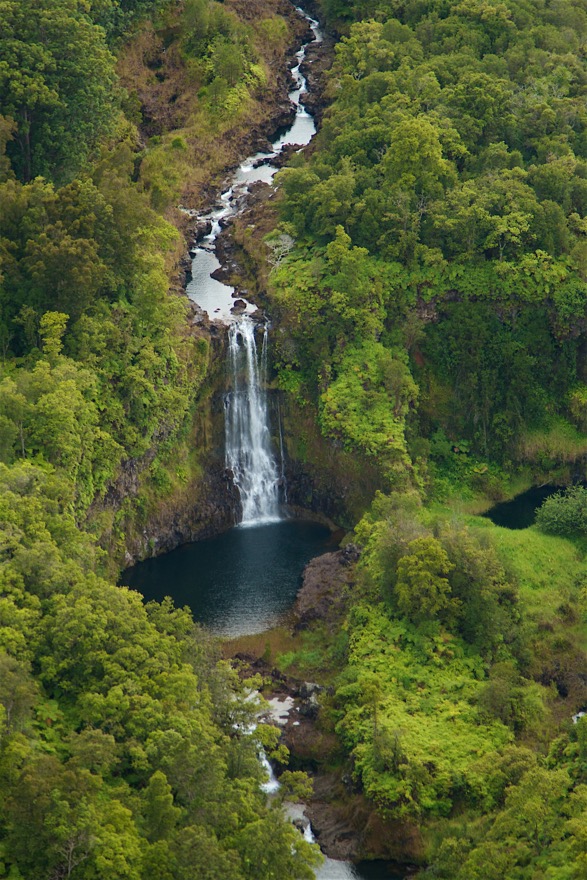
column 324, row 582
column 205, row 508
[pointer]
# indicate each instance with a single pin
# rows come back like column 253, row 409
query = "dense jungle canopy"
column 431, row 295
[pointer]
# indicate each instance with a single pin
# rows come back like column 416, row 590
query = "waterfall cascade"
column 248, row 441
column 212, row 296
column 256, row 472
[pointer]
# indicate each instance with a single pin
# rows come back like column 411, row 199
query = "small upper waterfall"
column 211, row 295
column 248, row 441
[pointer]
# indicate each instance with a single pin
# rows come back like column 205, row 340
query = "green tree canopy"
column 422, row 589
column 56, row 83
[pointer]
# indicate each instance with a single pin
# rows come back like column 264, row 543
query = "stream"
column 212, row 296
column 243, row 581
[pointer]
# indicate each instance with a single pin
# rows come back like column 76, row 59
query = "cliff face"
column 321, row 477
column 205, row 507
column 181, row 491
column 203, row 503
column 321, row 480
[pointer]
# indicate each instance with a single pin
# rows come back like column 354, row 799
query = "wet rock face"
column 282, row 121
column 306, row 490
column 201, row 229
column 203, row 511
column 337, row 835
column 315, row 67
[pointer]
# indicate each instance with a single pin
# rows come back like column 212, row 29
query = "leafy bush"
column 365, row 407
column 565, row 513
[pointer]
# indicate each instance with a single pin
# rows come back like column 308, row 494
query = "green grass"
column 319, row 654
column 468, row 485
column 551, row 572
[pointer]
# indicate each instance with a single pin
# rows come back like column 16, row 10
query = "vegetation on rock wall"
column 433, row 306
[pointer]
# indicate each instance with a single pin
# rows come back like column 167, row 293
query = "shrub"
column 565, row 513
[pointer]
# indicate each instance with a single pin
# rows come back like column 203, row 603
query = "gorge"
column 216, row 346
column 244, row 581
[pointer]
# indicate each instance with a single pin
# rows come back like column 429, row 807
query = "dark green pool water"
column 238, row 583
column 520, row 512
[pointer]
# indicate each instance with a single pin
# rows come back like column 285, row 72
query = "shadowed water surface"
column 238, row 583
column 520, row 512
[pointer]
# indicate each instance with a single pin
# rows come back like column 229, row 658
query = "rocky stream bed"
column 344, row 823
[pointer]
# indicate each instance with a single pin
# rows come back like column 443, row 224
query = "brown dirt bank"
column 161, row 85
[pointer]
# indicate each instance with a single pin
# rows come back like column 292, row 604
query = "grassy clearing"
column 548, row 569
column 551, row 577
column 544, row 565
column 314, row 654
column 269, row 644
column 319, row 654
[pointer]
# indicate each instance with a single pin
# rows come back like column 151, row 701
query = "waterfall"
column 247, row 436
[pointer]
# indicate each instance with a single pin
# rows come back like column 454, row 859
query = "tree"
column 7, row 129
column 52, row 327
column 118, row 16
column 414, row 159
column 18, row 692
column 15, row 410
column 159, row 813
column 66, row 272
column 564, row 513
column 365, row 406
column 332, row 200
column 198, row 853
column 354, row 294
column 275, row 849
column 56, row 82
column 52, row 817
column 422, row 590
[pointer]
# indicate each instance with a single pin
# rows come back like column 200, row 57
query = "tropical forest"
column 293, row 439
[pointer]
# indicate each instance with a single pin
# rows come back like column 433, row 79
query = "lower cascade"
column 247, row 437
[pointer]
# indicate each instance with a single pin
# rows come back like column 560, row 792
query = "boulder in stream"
column 202, row 229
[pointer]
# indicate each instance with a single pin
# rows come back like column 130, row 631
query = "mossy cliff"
column 181, row 492
column 178, row 490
